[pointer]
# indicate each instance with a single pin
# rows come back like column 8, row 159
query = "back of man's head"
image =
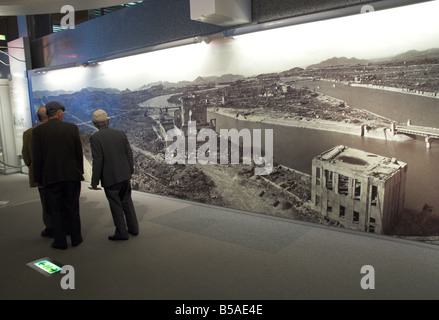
column 100, row 118
column 41, row 113
column 53, row 108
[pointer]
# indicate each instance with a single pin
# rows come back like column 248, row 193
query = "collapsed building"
column 360, row 190
column 193, row 108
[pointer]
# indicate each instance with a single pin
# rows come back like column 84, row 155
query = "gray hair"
column 101, row 124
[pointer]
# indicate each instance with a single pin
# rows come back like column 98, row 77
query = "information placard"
column 46, row 266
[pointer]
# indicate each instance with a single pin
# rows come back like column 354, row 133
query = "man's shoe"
column 57, row 246
column 133, row 233
column 46, row 233
column 114, row 238
column 76, row 243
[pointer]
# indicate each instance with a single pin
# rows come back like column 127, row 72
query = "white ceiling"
column 31, row 7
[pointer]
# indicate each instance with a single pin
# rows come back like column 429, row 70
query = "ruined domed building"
column 360, row 190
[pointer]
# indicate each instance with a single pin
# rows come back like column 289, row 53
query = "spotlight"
column 199, row 39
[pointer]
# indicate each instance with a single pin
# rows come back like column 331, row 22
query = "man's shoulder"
column 69, row 124
column 102, row 133
column 95, row 135
column 38, row 128
column 28, row 131
column 56, row 126
column 111, row 131
column 65, row 125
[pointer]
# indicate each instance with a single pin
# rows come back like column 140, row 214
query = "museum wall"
column 297, row 93
column 154, row 22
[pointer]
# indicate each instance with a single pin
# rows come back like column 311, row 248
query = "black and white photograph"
column 353, row 104
column 219, row 158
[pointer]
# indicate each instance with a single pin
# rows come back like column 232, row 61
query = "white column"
column 9, row 150
column 20, row 104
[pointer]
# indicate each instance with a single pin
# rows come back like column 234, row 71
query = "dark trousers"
column 122, row 209
column 63, row 200
column 45, row 207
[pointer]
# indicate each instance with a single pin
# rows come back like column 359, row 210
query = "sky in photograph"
column 378, row 34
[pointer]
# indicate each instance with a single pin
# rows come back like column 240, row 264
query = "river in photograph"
column 296, row 147
column 397, row 106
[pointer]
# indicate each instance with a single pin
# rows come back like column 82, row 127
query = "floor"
column 188, row 251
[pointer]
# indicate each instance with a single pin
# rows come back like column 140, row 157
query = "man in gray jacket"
column 113, row 166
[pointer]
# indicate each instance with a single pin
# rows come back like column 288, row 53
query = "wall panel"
column 315, row 86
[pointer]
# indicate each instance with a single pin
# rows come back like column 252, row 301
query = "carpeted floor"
column 187, row 251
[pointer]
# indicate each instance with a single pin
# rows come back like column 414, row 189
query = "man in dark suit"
column 58, row 167
column 26, row 152
column 113, row 166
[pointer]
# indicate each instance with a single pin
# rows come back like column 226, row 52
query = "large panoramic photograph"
column 333, row 122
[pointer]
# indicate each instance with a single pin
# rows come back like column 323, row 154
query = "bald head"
column 42, row 116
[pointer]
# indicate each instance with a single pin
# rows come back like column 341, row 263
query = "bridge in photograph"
column 427, row 132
